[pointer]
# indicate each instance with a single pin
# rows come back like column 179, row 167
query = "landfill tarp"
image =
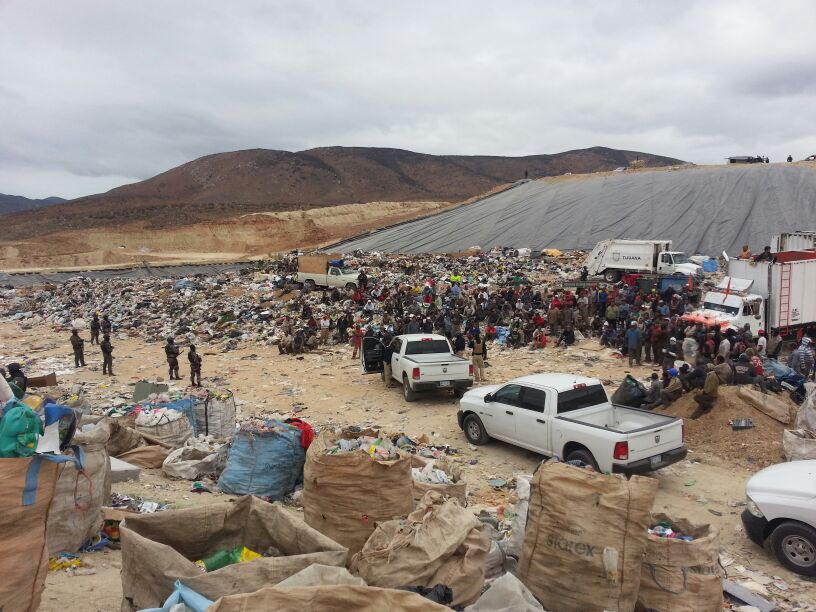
column 24, row 562
column 335, row 598
column 75, row 515
column 160, row 548
column 438, row 543
column 694, row 207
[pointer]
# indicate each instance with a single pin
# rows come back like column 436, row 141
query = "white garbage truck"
column 770, row 295
column 614, row 258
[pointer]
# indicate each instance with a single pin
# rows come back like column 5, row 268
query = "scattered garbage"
column 737, row 424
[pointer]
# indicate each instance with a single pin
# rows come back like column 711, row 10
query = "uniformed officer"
column 107, row 355
column 107, row 326
column 95, row 326
column 172, row 351
column 195, row 366
column 78, row 344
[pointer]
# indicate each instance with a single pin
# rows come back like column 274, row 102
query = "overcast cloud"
column 95, row 93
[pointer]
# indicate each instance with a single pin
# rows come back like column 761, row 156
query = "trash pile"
column 663, row 530
column 377, row 448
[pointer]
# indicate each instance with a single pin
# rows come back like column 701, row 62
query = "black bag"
column 631, row 393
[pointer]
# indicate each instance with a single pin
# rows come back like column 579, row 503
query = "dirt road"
column 329, row 388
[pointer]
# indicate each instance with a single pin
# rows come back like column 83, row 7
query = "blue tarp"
column 710, row 265
column 185, row 406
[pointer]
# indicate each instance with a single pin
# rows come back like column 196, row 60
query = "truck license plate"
column 444, row 383
column 656, row 460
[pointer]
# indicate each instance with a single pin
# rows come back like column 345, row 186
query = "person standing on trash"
column 325, row 328
column 195, row 366
column 95, row 327
column 362, row 280
column 107, row 355
column 78, row 344
column 357, row 340
column 801, row 360
column 634, row 342
column 708, row 396
column 172, row 352
column 107, row 326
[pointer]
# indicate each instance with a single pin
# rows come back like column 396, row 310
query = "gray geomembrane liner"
column 701, row 209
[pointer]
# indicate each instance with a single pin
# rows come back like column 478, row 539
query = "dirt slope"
column 227, row 185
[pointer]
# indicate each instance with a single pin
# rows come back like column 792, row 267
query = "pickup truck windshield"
column 732, row 310
column 427, row 347
column 582, row 397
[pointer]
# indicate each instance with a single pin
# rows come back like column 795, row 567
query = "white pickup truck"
column 419, row 362
column 318, row 271
column 571, row 417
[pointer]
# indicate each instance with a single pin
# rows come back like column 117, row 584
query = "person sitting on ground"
column 539, row 338
column 745, row 373
column 17, row 378
column 567, row 337
column 723, row 369
column 653, row 393
column 693, row 378
column 708, row 396
column 673, row 390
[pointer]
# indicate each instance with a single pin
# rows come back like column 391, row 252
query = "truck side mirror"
column 488, row 398
column 757, row 317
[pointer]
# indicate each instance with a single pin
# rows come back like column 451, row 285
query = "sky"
column 95, row 94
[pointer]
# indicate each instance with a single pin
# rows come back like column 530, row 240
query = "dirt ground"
column 706, row 488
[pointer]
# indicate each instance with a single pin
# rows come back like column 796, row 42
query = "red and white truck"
column 770, row 295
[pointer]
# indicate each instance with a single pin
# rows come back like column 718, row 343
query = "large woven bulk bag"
column 584, row 539
column 346, row 494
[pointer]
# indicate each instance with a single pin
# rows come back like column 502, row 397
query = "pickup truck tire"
column 458, row 393
column 794, row 544
column 309, row 284
column 474, row 430
column 351, row 287
column 407, row 392
column 611, row 276
column 584, row 456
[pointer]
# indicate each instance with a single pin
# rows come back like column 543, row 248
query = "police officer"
column 172, row 351
column 95, row 326
column 107, row 326
column 195, row 366
column 78, row 344
column 107, row 355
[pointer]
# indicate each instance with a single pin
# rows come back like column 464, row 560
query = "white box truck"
column 793, row 241
column 613, row 258
column 765, row 295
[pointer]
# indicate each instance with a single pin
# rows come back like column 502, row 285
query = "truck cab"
column 675, row 262
column 731, row 305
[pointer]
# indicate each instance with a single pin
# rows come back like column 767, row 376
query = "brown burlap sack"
column 439, row 543
column 123, row 436
column 151, row 456
column 457, row 490
column 346, row 494
column 76, row 512
column 24, row 562
column 680, row 576
column 335, row 598
column 158, row 549
column 584, row 539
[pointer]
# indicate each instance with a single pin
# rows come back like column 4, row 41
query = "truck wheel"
column 584, row 456
column 794, row 544
column 351, row 287
column 309, row 284
column 474, row 430
column 611, row 276
column 408, row 393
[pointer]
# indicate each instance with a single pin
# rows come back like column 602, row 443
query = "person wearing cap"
column 634, row 342
column 801, row 360
column 17, row 378
column 107, row 355
column 78, row 345
column 670, row 354
column 172, row 351
column 673, row 390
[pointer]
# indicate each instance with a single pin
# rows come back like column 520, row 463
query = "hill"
column 13, row 203
column 227, row 185
column 702, row 209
